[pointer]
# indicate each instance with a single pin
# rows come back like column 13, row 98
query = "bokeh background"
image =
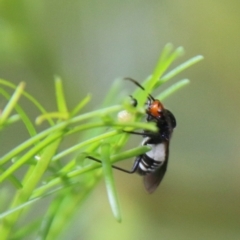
column 89, row 44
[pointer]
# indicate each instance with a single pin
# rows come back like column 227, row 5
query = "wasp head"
column 155, row 108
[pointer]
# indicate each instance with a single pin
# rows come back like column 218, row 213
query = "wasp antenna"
column 135, row 82
column 151, row 97
column 140, row 86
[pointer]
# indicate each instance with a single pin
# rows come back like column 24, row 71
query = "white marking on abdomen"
column 157, row 153
column 142, row 166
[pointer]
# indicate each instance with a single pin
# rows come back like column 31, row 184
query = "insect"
column 152, row 165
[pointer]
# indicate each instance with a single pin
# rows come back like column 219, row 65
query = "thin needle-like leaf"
column 58, row 127
column 175, row 87
column 26, row 120
column 79, row 107
column 163, row 66
column 179, row 69
column 12, row 103
column 51, row 115
column 109, row 181
column 60, row 97
column 32, row 152
column 27, row 95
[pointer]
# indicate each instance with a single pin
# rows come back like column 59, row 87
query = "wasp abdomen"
column 152, row 160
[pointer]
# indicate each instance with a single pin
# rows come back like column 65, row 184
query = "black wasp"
column 152, row 165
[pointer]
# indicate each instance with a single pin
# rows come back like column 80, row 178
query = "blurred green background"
column 91, row 43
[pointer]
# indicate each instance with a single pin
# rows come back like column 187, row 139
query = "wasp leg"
column 136, row 133
column 145, row 134
column 133, row 170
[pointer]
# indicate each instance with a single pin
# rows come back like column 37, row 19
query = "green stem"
column 29, row 185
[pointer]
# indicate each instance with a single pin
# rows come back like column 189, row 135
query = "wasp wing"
column 153, row 179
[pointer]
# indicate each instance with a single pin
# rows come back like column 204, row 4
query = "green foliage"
column 47, row 173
